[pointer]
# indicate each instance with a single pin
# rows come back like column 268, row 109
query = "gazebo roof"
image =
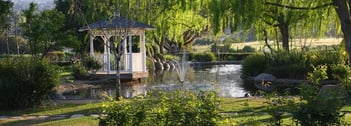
column 120, row 22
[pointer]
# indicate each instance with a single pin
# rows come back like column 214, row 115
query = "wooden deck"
column 123, row 75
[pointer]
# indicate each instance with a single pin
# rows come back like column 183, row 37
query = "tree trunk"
column 342, row 8
column 284, row 31
column 347, row 38
column 346, row 28
column 118, row 77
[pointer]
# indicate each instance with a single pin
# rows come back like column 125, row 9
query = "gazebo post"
column 125, row 52
column 130, row 54
column 91, row 38
column 143, row 50
column 107, row 52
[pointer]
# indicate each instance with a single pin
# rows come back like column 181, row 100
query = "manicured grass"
column 84, row 121
column 229, row 105
column 295, row 44
column 236, row 111
column 67, row 109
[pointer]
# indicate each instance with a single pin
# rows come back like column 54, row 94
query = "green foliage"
column 278, row 106
column 248, row 49
column 44, row 31
column 254, row 64
column 79, row 71
column 5, row 11
column 92, row 64
column 318, row 107
column 171, row 57
column 319, row 73
column 176, row 108
column 222, row 48
column 342, row 73
column 294, row 64
column 203, row 57
column 26, row 82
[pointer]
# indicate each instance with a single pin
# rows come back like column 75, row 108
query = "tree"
column 282, row 14
column 343, row 9
column 44, row 31
column 177, row 23
column 5, row 12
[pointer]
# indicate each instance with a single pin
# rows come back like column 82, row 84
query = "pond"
column 224, row 79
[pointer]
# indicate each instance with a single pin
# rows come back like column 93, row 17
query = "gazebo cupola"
column 129, row 33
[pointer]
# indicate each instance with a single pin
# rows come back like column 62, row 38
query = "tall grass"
column 294, row 64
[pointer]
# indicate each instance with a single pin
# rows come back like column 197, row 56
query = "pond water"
column 225, row 79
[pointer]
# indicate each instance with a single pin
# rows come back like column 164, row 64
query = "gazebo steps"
column 123, row 75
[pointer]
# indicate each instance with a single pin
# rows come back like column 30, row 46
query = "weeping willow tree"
column 270, row 15
column 343, row 10
column 177, row 22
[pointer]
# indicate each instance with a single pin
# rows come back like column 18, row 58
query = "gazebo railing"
column 102, row 58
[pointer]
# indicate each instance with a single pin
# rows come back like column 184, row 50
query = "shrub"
column 26, row 82
column 324, row 57
column 171, row 57
column 203, row 57
column 294, row 64
column 277, row 106
column 248, row 49
column 176, row 108
column 254, row 64
column 222, row 48
column 318, row 108
column 92, row 64
column 342, row 73
column 79, row 71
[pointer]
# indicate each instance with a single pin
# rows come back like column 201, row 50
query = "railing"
column 137, row 62
column 102, row 58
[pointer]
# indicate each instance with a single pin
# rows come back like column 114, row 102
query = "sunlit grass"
column 295, row 44
column 56, row 110
column 84, row 121
column 236, row 111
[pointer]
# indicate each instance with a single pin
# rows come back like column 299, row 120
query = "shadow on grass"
column 255, row 119
column 67, row 111
column 248, row 109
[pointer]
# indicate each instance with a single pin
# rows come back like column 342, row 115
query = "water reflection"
column 225, row 79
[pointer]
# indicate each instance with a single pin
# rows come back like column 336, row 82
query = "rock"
column 171, row 64
column 158, row 66
column 265, row 81
column 247, row 95
column 4, row 117
column 77, row 116
column 166, row 66
column 330, row 89
column 57, row 117
column 95, row 115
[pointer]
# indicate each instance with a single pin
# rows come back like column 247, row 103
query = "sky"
column 24, row 4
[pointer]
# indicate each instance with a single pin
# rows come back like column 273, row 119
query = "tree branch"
column 270, row 23
column 299, row 8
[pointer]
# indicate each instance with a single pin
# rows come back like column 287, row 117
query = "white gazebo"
column 131, row 35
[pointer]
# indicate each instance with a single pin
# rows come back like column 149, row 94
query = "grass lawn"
column 294, row 44
column 236, row 111
column 84, row 121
